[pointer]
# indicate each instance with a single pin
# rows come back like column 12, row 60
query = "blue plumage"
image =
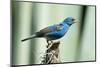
column 60, row 31
column 55, row 31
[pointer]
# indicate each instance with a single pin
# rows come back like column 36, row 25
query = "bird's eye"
column 60, row 24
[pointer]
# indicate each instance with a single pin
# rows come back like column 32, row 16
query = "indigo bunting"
column 55, row 31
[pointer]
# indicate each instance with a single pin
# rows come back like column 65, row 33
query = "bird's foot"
column 50, row 43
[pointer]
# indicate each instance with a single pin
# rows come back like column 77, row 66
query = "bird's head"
column 69, row 20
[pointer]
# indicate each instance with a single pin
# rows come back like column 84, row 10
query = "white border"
column 5, row 33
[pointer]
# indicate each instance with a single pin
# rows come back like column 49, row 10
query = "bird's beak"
column 74, row 20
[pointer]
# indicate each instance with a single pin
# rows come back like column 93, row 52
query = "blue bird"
column 53, row 32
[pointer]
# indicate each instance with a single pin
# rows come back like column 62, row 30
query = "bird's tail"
column 33, row 36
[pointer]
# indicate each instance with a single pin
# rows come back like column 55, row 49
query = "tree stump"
column 52, row 54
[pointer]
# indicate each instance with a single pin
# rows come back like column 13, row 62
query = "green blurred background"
column 28, row 17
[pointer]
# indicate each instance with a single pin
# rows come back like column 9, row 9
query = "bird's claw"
column 49, row 44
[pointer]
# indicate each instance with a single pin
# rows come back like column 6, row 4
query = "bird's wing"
column 49, row 29
column 42, row 32
column 59, row 27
